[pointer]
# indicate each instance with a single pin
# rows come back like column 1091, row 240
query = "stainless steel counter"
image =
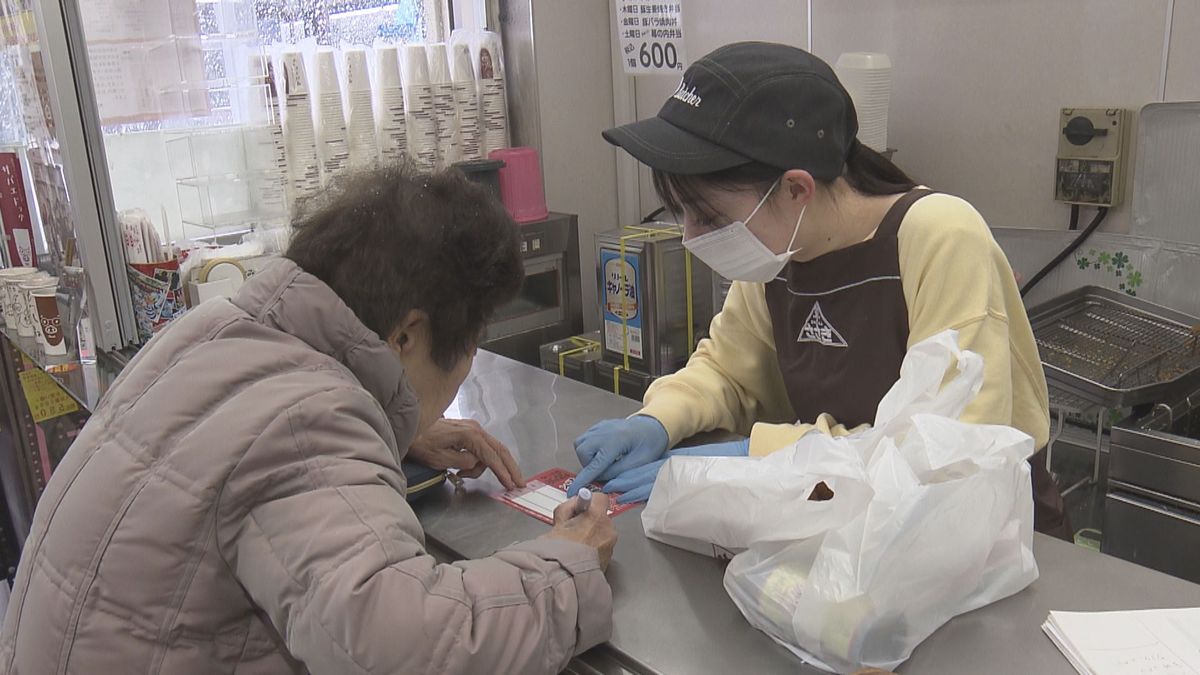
column 671, row 612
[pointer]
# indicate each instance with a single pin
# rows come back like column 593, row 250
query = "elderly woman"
column 236, row 504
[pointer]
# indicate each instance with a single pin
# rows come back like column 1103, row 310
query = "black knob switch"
column 1081, row 131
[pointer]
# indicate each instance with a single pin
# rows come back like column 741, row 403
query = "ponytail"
column 870, row 173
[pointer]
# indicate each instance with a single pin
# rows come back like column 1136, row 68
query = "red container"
column 521, row 187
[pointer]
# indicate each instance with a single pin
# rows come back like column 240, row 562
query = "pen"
column 585, row 501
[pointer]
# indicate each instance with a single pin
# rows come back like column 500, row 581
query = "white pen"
column 585, row 501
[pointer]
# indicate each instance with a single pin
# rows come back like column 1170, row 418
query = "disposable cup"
column 49, row 319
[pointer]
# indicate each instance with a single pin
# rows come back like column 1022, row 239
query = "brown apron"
column 842, row 319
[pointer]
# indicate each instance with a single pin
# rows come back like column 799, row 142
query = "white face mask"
column 736, row 254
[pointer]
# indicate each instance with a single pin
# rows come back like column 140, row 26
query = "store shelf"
column 85, row 382
column 245, row 221
column 228, row 201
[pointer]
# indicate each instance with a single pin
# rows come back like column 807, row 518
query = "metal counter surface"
column 671, row 612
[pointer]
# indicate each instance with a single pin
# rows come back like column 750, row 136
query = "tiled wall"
column 1162, row 272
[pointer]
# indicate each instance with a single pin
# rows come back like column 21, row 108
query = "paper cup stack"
column 45, row 286
column 389, row 101
column 299, row 133
column 466, row 100
column 27, row 321
column 50, row 322
column 333, row 143
column 445, row 110
column 420, row 116
column 493, row 110
column 264, row 141
column 868, row 78
column 10, row 279
column 364, row 145
column 20, row 294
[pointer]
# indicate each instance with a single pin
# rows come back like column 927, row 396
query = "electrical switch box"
column 1092, row 149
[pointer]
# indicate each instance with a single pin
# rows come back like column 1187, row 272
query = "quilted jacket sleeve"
column 314, row 524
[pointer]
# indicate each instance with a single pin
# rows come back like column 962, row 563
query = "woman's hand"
column 464, row 445
column 591, row 528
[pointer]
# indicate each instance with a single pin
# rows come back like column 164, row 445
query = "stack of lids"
column 868, row 79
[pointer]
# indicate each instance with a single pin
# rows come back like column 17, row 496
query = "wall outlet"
column 1092, row 149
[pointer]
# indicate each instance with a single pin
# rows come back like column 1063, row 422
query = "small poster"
column 651, row 37
column 45, row 397
column 14, row 211
column 622, row 312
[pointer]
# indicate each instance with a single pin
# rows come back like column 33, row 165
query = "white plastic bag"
column 930, row 518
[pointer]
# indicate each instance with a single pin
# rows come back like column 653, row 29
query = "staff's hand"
column 464, row 445
column 613, row 447
column 591, row 528
column 637, row 484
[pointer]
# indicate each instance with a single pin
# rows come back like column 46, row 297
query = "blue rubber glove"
column 636, row 484
column 612, row 447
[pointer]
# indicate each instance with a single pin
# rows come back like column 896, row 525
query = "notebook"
column 1158, row 641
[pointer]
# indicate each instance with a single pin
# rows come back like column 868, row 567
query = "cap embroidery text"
column 688, row 96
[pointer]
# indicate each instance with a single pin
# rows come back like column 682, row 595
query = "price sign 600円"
column 651, row 37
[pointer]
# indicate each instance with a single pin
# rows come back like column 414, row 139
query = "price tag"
column 45, row 397
column 651, row 37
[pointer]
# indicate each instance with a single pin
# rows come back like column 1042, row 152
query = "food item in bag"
column 780, row 594
column 854, row 632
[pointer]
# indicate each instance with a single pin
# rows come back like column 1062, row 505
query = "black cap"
column 748, row 101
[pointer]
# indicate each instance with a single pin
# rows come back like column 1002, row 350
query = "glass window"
column 35, row 192
column 187, row 108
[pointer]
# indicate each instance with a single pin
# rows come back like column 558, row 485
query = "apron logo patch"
column 818, row 329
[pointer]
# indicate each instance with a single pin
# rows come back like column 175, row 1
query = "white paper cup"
column 25, row 317
column 45, row 302
column 439, row 63
column 387, row 67
column 10, row 276
column 461, row 69
column 47, row 282
column 864, row 61
column 415, row 65
column 327, row 78
column 357, row 77
column 489, row 57
column 295, row 77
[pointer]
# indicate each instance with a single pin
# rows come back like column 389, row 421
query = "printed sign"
column 14, row 210
column 622, row 309
column 45, row 397
column 651, row 37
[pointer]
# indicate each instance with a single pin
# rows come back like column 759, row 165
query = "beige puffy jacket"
column 236, row 505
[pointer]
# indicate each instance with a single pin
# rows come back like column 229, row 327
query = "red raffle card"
column 545, row 491
column 14, row 211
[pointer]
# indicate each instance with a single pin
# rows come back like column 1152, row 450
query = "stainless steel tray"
column 1116, row 350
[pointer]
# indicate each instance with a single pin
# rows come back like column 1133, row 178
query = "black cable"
column 1087, row 232
column 654, row 215
column 1074, row 217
